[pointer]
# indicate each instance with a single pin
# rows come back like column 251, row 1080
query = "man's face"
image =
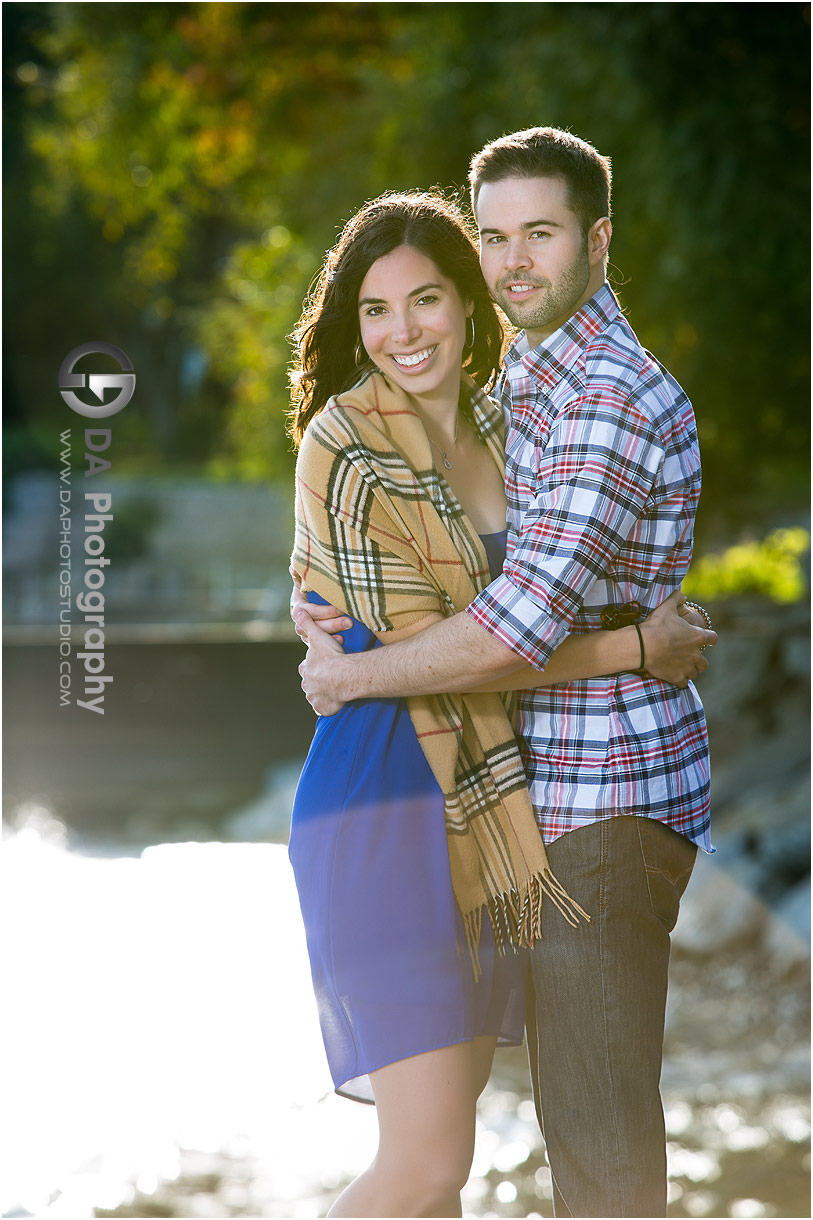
column 535, row 258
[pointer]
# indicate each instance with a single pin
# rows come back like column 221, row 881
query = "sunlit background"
column 174, row 174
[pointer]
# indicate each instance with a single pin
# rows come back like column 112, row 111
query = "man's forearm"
column 454, row 655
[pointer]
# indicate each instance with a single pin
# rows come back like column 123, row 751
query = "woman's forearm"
column 591, row 655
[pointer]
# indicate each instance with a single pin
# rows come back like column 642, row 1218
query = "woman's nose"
column 405, row 328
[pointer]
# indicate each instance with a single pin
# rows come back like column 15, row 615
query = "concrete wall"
column 213, row 551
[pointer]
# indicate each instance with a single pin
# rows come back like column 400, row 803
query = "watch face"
column 613, row 617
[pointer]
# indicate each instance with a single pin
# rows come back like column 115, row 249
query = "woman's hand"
column 318, row 671
column 306, row 613
column 673, row 639
column 319, row 626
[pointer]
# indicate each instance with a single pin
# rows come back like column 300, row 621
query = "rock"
column 787, row 936
column 268, row 818
column 791, row 806
column 796, row 657
column 733, row 677
column 717, row 911
column 763, row 839
column 786, row 856
column 759, row 771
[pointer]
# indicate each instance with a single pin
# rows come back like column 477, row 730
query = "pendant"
column 446, row 461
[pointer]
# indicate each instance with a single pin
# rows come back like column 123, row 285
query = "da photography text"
column 83, row 565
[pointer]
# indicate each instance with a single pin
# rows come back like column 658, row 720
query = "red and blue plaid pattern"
column 603, row 480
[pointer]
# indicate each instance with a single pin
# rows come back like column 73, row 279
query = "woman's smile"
column 417, row 361
column 413, row 324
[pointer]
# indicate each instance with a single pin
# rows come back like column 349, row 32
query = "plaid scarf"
column 380, row 534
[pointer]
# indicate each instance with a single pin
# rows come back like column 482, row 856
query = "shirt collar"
column 568, row 344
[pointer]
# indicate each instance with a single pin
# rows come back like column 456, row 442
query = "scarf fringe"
column 473, row 924
column 531, row 914
column 519, row 926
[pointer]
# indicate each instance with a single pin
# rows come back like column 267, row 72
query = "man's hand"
column 673, row 639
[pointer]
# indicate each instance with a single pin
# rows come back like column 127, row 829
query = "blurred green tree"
column 776, row 568
column 181, row 169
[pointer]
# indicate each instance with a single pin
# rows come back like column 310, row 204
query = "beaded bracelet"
column 704, row 614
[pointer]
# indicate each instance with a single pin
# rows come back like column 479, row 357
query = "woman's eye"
column 374, row 311
column 427, row 300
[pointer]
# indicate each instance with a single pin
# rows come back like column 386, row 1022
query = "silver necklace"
column 443, row 452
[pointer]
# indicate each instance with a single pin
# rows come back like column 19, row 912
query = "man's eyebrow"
column 415, row 293
column 530, row 224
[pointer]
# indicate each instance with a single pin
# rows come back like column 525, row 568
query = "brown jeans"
column 596, row 1015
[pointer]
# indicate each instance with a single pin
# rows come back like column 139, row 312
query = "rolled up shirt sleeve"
column 586, row 493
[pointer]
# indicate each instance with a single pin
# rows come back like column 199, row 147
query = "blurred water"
column 162, row 1057
column 159, row 1002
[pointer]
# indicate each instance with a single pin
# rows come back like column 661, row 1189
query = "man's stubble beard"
column 560, row 300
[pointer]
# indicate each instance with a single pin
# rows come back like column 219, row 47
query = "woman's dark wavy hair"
column 327, row 336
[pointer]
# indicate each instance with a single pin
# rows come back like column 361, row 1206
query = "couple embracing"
column 509, row 777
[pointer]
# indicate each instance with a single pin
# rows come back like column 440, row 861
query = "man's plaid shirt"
column 603, row 480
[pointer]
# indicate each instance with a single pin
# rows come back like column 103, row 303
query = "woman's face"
column 413, row 324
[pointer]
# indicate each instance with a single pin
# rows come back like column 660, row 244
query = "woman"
column 412, row 817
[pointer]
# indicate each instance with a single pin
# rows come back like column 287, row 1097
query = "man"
column 602, row 480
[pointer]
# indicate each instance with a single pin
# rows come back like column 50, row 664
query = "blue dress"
column 390, row 968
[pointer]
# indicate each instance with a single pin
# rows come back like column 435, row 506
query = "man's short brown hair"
column 548, row 152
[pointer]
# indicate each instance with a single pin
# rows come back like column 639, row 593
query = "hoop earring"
column 358, row 357
column 469, row 342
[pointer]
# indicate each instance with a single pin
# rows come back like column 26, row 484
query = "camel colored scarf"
column 380, row 534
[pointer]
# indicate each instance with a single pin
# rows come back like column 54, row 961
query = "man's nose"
column 516, row 254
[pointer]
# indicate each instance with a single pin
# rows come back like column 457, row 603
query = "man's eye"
column 495, row 240
column 540, row 233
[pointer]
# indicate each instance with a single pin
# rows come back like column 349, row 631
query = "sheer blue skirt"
column 391, row 972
